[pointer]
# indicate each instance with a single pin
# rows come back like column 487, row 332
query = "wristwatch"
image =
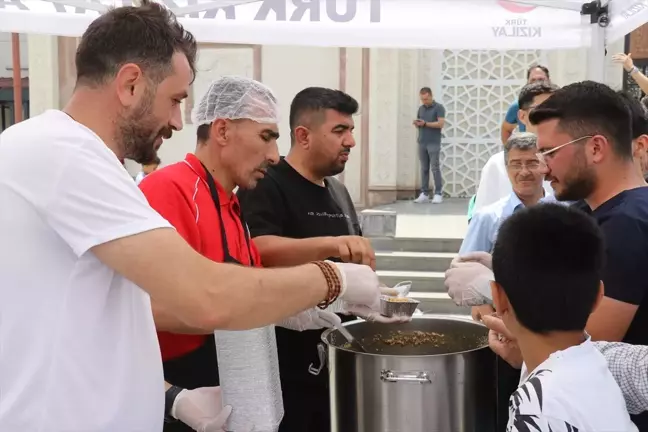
column 169, row 398
column 633, row 70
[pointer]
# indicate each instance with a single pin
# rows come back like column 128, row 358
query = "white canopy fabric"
column 432, row 24
column 625, row 16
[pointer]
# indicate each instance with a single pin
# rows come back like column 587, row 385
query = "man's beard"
column 336, row 167
column 138, row 130
column 581, row 184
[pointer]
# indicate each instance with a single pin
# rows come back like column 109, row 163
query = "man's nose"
column 349, row 141
column 176, row 118
column 273, row 155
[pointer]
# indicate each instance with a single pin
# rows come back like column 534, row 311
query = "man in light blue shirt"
column 526, row 177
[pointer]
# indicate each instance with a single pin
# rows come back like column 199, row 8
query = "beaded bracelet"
column 332, row 281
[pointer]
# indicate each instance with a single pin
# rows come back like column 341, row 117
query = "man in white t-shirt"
column 548, row 262
column 81, row 249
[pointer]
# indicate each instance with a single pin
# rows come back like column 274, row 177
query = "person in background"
column 494, row 181
column 299, row 213
column 625, row 60
column 147, row 169
column 526, row 177
column 550, row 258
column 236, row 141
column 430, row 120
column 524, row 172
column 534, row 74
column 639, row 115
column 85, row 253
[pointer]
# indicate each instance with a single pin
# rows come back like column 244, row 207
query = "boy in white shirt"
column 547, row 263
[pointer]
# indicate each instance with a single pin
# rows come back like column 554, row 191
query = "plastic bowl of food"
column 397, row 306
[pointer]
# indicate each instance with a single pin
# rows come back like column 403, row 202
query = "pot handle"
column 413, row 377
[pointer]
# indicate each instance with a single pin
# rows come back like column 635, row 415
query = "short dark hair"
column 637, row 113
column 589, row 108
column 549, row 259
column 147, row 35
column 544, row 69
column 426, row 90
column 316, row 100
column 530, row 91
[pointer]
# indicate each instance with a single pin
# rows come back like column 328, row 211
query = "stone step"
column 421, row 281
column 411, row 244
column 438, row 303
column 414, row 261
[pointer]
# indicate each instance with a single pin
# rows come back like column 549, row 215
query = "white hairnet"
column 234, row 97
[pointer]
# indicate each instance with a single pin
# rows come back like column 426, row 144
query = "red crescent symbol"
column 516, row 8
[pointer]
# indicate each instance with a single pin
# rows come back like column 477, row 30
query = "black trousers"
column 305, row 414
column 197, row 369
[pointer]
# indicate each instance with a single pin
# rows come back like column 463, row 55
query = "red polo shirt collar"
column 227, row 199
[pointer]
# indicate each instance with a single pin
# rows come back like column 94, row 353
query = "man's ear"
column 219, row 131
column 500, row 300
column 302, row 136
column 522, row 115
column 640, row 146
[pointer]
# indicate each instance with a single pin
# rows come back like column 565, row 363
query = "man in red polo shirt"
column 237, row 139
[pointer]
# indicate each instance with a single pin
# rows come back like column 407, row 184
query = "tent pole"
column 17, row 80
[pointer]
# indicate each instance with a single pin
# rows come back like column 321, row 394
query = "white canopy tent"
column 432, row 24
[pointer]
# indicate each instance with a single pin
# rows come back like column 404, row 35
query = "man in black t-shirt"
column 300, row 213
column 585, row 138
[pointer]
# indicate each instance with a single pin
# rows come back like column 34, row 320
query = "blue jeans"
column 429, row 156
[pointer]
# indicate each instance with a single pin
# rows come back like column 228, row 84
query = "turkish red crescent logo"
column 516, row 8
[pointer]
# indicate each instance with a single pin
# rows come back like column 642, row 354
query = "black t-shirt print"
column 286, row 204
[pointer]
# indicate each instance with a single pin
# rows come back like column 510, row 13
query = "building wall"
column 6, row 65
column 475, row 86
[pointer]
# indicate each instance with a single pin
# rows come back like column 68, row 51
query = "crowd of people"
column 555, row 270
column 111, row 290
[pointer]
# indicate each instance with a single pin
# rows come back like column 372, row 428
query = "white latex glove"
column 311, row 319
column 202, row 409
column 468, row 283
column 367, row 313
column 372, row 314
column 483, row 258
column 360, row 284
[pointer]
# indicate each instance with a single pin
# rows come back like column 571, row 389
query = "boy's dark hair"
column 530, row 91
column 548, row 259
column 544, row 69
column 589, row 108
column 147, row 35
column 425, row 90
column 315, row 100
column 637, row 113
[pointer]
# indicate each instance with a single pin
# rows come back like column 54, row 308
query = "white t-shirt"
column 572, row 390
column 494, row 183
column 78, row 348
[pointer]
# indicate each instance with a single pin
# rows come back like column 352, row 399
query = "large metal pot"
column 446, row 387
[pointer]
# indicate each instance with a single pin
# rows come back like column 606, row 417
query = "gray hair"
column 520, row 141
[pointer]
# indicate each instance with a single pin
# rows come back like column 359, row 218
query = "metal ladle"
column 355, row 343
